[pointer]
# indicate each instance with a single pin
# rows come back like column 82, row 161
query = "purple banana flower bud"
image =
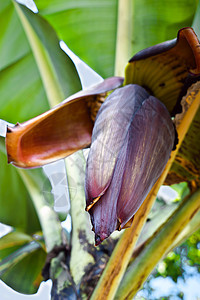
column 59, row 132
column 132, row 140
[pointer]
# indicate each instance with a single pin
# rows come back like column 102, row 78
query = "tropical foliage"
column 36, row 75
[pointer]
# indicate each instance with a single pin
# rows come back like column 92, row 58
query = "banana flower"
column 131, row 138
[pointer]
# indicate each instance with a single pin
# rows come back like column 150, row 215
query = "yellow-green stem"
column 82, row 236
column 50, row 224
column 154, row 250
column 124, row 36
column 191, row 227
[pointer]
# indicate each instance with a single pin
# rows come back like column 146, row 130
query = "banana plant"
column 141, row 125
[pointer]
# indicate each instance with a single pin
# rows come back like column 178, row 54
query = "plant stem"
column 154, row 250
column 50, row 224
column 114, row 271
column 124, row 36
column 82, row 236
column 191, row 227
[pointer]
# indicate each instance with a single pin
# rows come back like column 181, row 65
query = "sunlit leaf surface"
column 21, row 261
column 89, row 27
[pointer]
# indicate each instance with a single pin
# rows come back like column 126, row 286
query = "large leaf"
column 21, row 262
column 12, row 38
column 89, row 27
column 57, row 70
column 21, row 88
column 17, row 209
column 21, row 92
column 22, row 96
column 11, row 242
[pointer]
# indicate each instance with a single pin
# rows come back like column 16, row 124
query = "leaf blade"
column 92, row 35
column 22, row 256
column 58, row 72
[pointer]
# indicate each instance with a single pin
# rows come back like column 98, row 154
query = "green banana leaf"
column 22, row 96
column 13, row 43
column 89, row 27
column 21, row 88
column 17, row 209
column 21, row 261
column 58, row 72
